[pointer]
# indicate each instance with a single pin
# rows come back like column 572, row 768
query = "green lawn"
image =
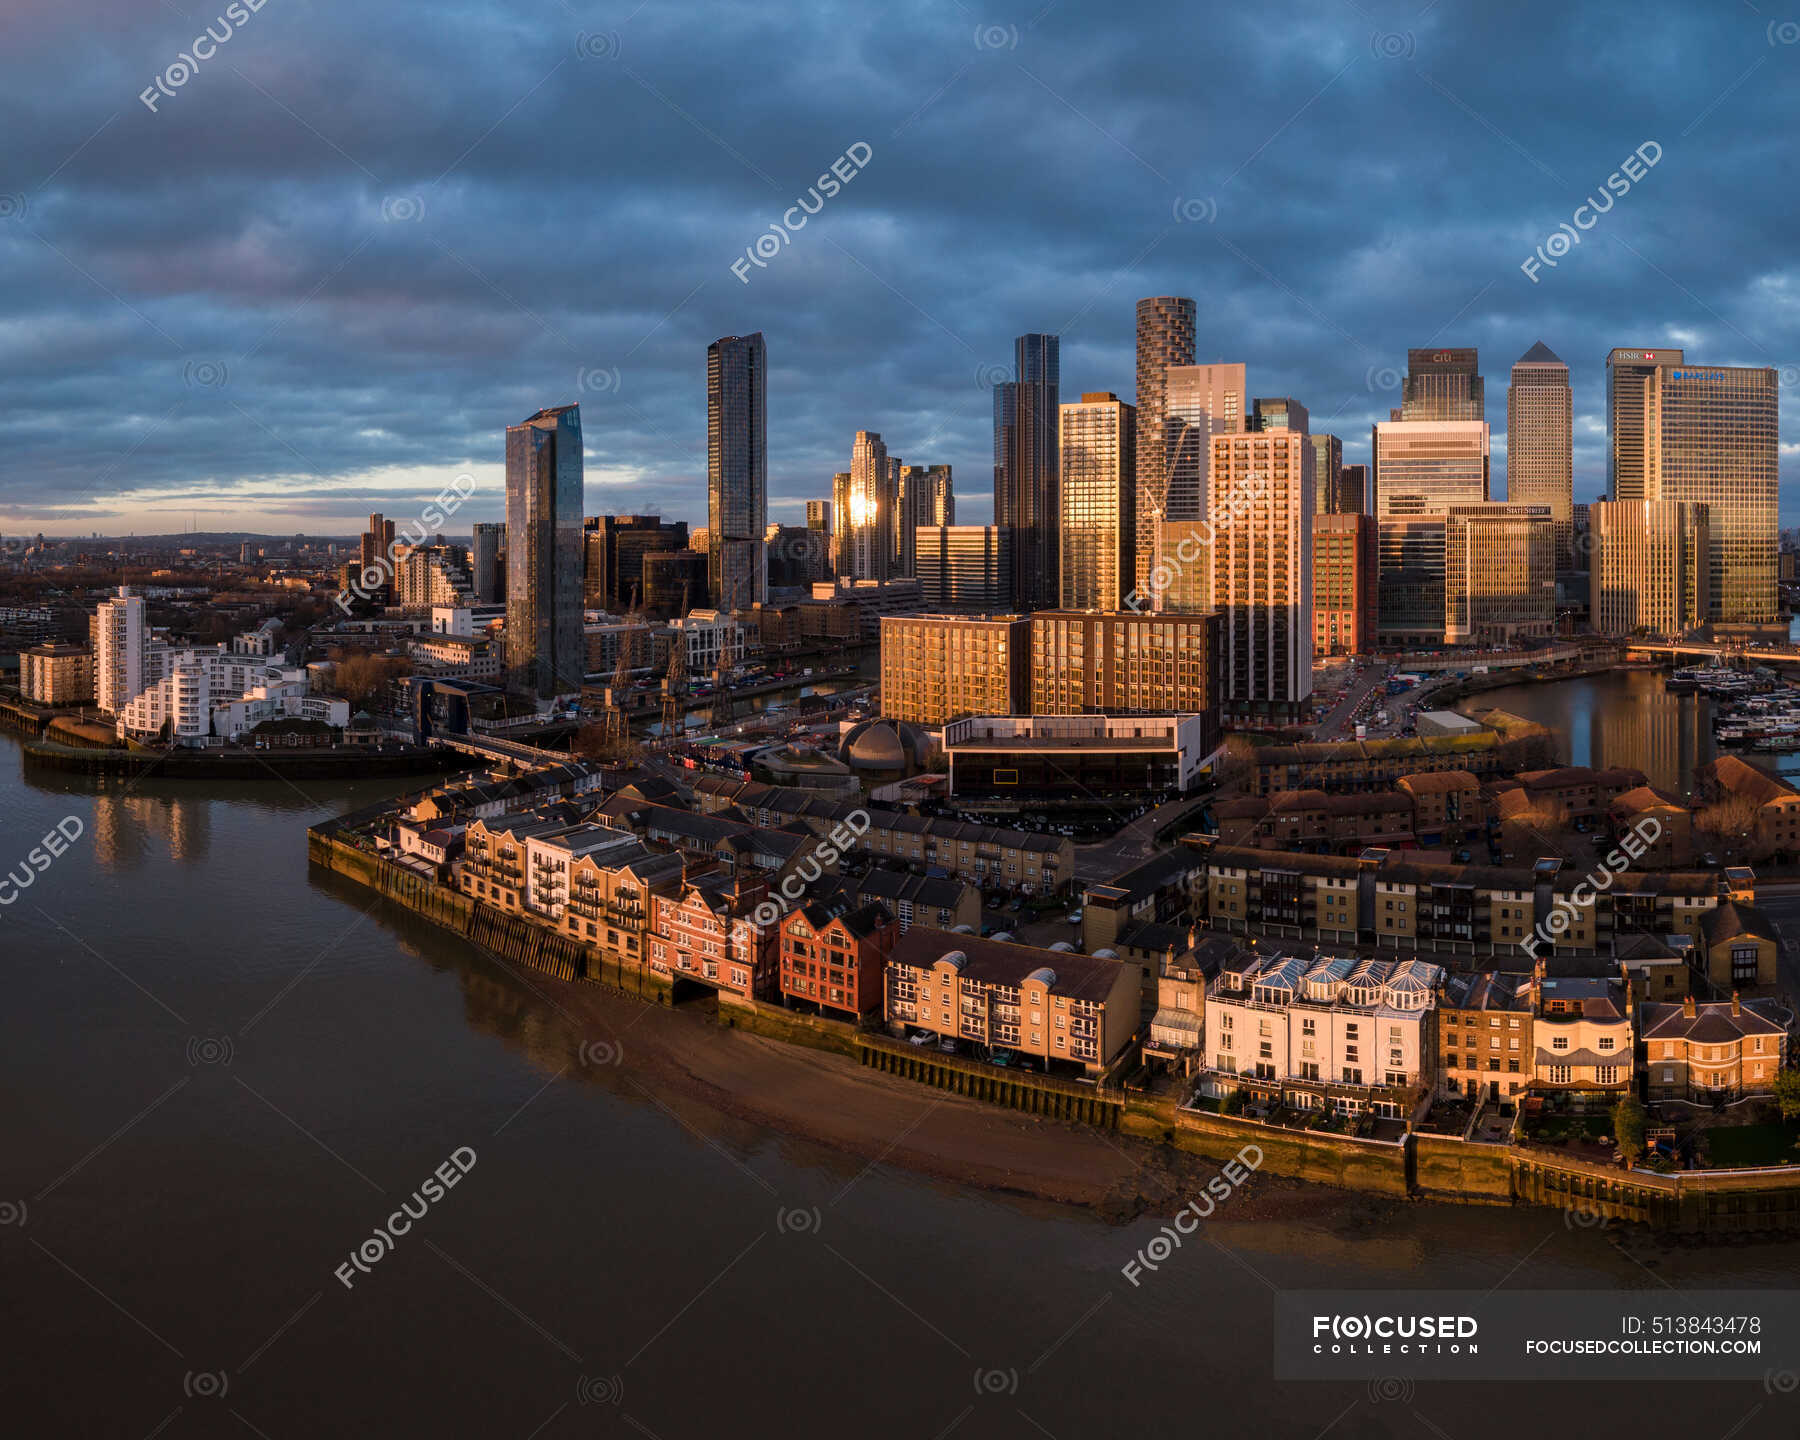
column 1734, row 1146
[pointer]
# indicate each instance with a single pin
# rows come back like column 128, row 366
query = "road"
column 1332, row 727
column 1098, row 863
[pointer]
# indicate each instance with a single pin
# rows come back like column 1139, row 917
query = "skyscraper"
column 920, row 496
column 1328, row 469
column 1704, row 435
column 818, row 515
column 1098, row 537
column 865, row 514
column 616, row 546
column 1165, row 337
column 1353, row 496
column 1651, row 569
column 737, row 470
column 1279, row 412
column 1633, row 420
column 489, row 564
column 1026, row 467
column 964, row 568
column 940, row 496
column 546, row 654
column 1499, row 573
column 900, row 526
column 1539, row 443
column 1720, row 448
column 1261, row 510
column 120, row 637
column 1200, row 401
column 1422, row 468
column 1346, row 591
column 1443, row 385
column 837, row 512
column 378, row 542
column 1006, row 417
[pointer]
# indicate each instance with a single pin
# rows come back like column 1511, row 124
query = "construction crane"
column 721, row 697
column 618, row 717
column 675, row 681
column 618, row 723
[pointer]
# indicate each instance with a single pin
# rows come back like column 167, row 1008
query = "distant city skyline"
column 344, row 319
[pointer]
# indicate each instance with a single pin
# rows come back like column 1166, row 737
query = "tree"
column 594, row 743
column 1729, row 825
column 1629, row 1123
column 363, row 679
column 1787, row 1093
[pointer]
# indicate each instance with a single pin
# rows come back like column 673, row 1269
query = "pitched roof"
column 1739, row 777
column 1710, row 1024
column 1000, row 962
column 1730, row 920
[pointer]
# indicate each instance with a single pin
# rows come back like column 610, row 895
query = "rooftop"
column 999, row 962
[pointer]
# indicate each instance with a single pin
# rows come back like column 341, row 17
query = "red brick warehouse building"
column 836, row 958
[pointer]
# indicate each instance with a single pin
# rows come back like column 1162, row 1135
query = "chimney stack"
column 1737, row 1009
column 1687, row 1007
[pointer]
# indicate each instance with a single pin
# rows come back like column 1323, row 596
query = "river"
column 224, row 1071
column 1625, row 717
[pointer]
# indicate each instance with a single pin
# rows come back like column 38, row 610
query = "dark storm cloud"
column 334, row 263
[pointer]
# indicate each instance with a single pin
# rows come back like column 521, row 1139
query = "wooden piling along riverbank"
column 1016, row 1089
column 1735, row 1203
column 512, row 938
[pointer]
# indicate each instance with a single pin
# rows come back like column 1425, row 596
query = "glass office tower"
column 737, row 470
column 546, row 653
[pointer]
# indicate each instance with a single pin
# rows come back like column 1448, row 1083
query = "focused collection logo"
column 1342, row 1334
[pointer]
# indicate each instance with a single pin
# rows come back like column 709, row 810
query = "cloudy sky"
column 317, row 269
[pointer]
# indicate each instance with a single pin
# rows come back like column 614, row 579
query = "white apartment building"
column 212, row 694
column 712, row 638
column 550, row 860
column 120, row 639
column 1322, row 1031
column 264, row 640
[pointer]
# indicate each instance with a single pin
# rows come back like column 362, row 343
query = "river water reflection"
column 221, row 1072
column 1626, row 718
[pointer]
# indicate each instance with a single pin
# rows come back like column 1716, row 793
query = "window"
column 1559, row 1074
column 1743, row 964
column 1561, row 1042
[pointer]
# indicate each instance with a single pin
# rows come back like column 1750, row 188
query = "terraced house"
column 612, row 898
column 983, row 855
column 1582, row 1030
column 1313, row 821
column 1406, row 900
column 988, row 996
column 836, row 958
column 1349, row 766
column 1484, row 1036
column 1322, row 1032
column 707, row 929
